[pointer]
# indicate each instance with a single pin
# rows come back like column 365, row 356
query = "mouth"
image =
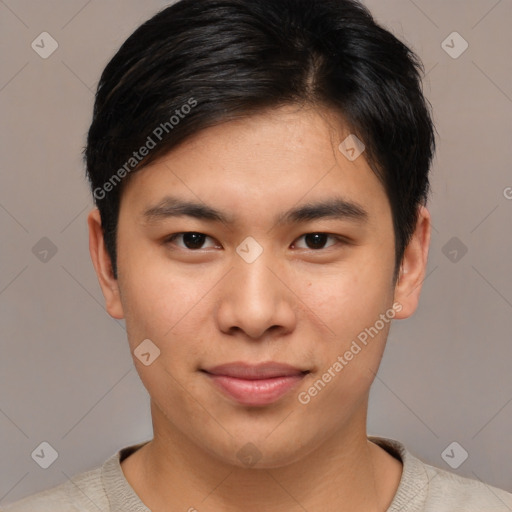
column 255, row 385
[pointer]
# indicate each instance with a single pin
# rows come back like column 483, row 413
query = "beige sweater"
column 422, row 488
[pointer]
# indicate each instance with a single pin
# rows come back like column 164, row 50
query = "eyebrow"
column 333, row 208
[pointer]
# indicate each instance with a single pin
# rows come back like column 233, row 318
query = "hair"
column 198, row 63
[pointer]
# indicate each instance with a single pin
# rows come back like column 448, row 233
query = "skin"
column 295, row 303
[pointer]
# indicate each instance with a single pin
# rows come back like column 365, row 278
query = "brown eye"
column 316, row 241
column 191, row 240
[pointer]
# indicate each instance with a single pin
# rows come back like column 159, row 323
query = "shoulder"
column 82, row 493
column 426, row 488
column 449, row 491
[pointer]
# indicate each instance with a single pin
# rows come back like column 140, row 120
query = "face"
column 258, row 241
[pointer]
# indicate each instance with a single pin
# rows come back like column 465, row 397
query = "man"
column 260, row 170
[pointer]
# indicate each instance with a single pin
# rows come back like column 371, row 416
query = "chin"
column 264, row 453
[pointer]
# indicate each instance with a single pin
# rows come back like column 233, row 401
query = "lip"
column 255, row 385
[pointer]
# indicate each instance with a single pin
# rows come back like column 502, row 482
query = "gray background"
column 66, row 372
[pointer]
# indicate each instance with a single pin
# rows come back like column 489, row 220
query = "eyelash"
column 170, row 239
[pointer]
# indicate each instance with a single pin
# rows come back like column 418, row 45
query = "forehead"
column 261, row 164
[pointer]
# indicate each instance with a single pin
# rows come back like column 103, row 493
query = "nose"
column 256, row 299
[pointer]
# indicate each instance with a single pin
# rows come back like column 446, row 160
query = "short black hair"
column 198, row 63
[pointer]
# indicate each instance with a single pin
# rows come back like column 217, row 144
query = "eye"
column 191, row 240
column 317, row 241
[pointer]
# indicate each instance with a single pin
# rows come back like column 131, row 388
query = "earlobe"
column 414, row 264
column 103, row 266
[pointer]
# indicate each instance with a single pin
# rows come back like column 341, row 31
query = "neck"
column 346, row 473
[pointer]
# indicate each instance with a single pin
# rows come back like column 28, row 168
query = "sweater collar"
column 409, row 497
column 412, row 490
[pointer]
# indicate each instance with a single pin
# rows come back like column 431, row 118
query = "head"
column 300, row 124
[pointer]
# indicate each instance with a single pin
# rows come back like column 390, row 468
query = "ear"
column 103, row 266
column 414, row 264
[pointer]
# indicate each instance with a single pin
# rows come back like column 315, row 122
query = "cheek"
column 159, row 309
column 350, row 299
column 155, row 296
column 350, row 303
column 170, row 309
column 341, row 385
